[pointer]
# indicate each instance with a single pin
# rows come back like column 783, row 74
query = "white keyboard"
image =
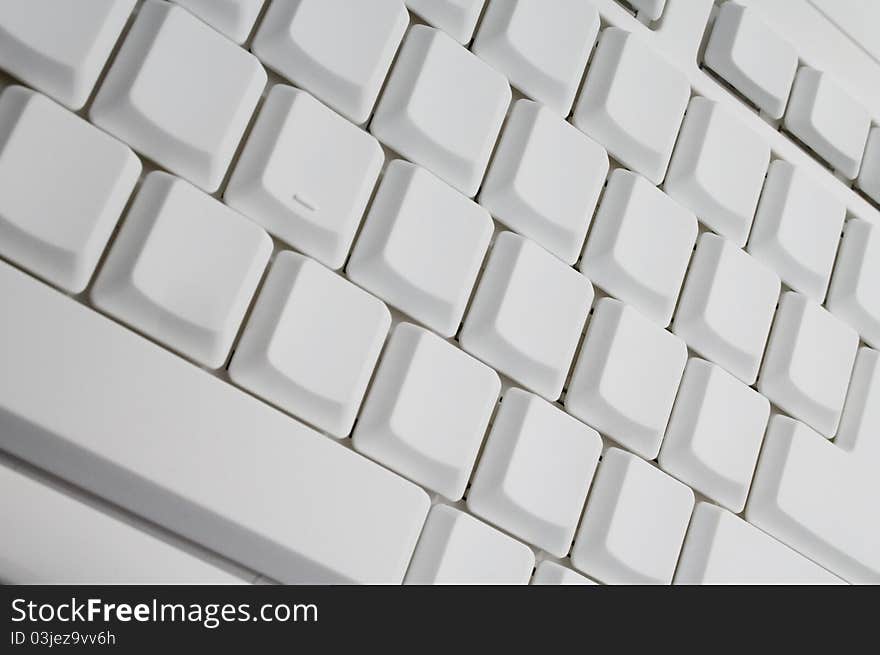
column 437, row 291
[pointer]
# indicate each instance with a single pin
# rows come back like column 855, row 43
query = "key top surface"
column 234, row 18
column 869, row 173
column 853, row 296
column 457, row 18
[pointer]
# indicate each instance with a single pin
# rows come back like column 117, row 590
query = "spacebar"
column 109, row 411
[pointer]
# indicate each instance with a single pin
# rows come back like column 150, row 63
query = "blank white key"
column 306, row 175
column 542, row 47
column 234, row 18
column 527, row 315
column 632, row 103
column 634, row 524
column 869, row 174
column 427, row 410
column 60, row 47
column 745, row 51
column 180, row 93
column 61, row 539
column 714, row 435
column 63, row 185
column 337, row 49
column 797, row 229
column 311, row 343
column 457, row 18
column 183, row 269
column 830, row 121
column 626, row 376
column 640, row 245
column 111, row 412
column 718, row 169
column 421, row 247
column 442, row 108
column 853, row 296
column 722, row 549
column 551, row 573
column 456, row 548
column 726, row 307
column 545, row 179
column 860, row 421
column 535, row 471
column 808, row 363
column 653, row 9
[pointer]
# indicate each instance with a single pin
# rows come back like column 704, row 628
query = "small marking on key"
column 305, row 202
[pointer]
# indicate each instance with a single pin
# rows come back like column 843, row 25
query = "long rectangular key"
column 113, row 413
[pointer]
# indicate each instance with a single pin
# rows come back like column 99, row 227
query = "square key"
column 527, row 315
column 63, row 185
column 427, row 410
column 626, row 377
column 311, row 343
column 421, row 247
column 535, row 471
column 727, row 306
column 442, row 108
column 306, row 175
column 183, row 269
column 545, row 179
column 853, row 296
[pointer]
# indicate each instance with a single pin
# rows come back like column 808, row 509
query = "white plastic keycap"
column 337, row 49
column 457, row 18
column 427, row 410
column 306, row 175
column 180, row 93
column 634, row 524
column 60, row 48
column 853, row 296
column 535, row 471
column 551, row 573
column 456, row 548
column 183, row 269
column 830, row 121
column 718, row 169
column 632, row 102
column 626, row 377
column 542, row 47
column 727, row 305
column 869, row 173
column 808, row 363
column 527, row 315
column 545, row 179
column 640, row 245
column 234, row 18
column 442, row 108
column 311, row 343
column 714, row 435
column 63, row 185
column 421, row 247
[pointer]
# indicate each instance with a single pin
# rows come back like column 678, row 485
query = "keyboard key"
column 60, row 47
column 652, row 9
column 457, row 18
column 749, row 55
column 306, row 175
column 632, row 103
column 535, row 471
column 311, row 343
column 541, row 47
column 808, row 363
column 183, row 269
column 718, row 169
column 337, row 49
column 727, row 306
column 853, row 296
column 827, row 119
column 715, row 433
column 456, row 548
column 626, row 376
column 421, row 247
column 114, row 414
column 442, row 108
column 722, row 549
column 527, row 315
column 63, row 185
column 427, row 410
column 545, row 179
column 180, row 93
column 234, row 18
column 869, row 174
column 624, row 255
column 797, row 229
column 860, row 421
column 551, row 573
column 634, row 524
